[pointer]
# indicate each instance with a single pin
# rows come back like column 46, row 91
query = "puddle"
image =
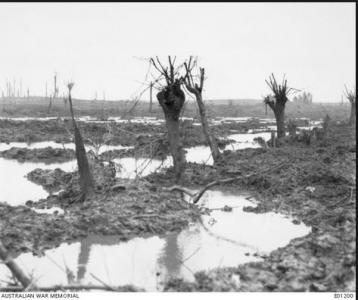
column 225, row 239
column 199, row 155
column 218, row 121
column 247, row 140
column 202, row 154
column 15, row 189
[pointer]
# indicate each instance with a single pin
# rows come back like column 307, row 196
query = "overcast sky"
column 98, row 44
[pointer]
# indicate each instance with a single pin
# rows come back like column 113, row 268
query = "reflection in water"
column 170, row 260
column 222, row 239
column 83, row 259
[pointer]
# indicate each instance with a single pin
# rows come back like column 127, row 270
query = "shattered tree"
column 86, row 179
column 196, row 89
column 351, row 96
column 171, row 98
column 277, row 102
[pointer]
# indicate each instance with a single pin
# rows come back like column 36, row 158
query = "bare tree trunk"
column 280, row 121
column 175, row 145
column 352, row 118
column 273, row 139
column 86, row 180
column 13, row 267
column 171, row 100
column 204, row 121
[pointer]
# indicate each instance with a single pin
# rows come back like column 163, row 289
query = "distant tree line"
column 305, row 98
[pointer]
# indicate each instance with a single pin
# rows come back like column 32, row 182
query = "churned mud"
column 315, row 185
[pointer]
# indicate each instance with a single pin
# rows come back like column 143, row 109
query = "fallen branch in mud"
column 196, row 196
column 13, row 267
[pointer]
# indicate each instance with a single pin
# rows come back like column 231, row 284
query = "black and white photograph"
column 178, row 147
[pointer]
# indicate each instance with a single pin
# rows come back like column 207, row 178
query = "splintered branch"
column 188, row 77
